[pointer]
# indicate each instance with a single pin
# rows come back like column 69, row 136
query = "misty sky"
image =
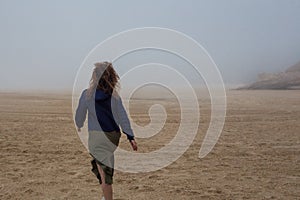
column 43, row 43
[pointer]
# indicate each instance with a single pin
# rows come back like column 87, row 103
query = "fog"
column 43, row 43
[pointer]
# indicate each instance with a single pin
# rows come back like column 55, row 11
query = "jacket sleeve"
column 81, row 111
column 123, row 119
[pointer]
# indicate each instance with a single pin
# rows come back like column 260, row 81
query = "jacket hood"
column 100, row 95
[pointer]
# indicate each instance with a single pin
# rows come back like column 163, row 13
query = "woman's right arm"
column 124, row 122
column 123, row 119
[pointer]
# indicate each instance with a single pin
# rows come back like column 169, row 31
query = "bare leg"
column 106, row 188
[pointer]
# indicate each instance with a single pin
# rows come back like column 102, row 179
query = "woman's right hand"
column 133, row 145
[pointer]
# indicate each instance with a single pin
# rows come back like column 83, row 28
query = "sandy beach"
column 256, row 157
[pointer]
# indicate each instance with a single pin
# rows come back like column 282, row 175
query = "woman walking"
column 106, row 114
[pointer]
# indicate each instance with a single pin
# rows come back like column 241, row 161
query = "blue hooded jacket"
column 105, row 113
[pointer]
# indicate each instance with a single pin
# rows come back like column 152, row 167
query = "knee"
column 105, row 186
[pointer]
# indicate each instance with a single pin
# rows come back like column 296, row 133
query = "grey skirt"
column 102, row 146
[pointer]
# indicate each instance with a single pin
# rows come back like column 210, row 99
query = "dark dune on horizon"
column 288, row 79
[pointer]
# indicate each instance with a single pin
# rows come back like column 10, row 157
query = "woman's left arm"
column 81, row 111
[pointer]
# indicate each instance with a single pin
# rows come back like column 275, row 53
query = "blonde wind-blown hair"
column 104, row 77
